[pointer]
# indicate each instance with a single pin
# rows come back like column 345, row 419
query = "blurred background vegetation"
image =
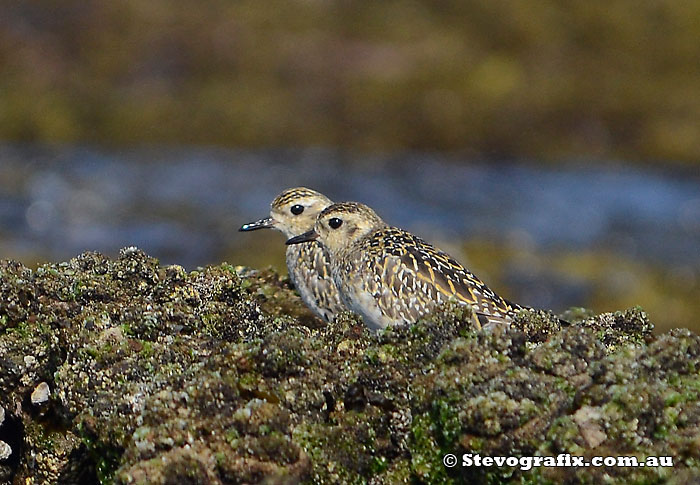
column 459, row 82
column 534, row 78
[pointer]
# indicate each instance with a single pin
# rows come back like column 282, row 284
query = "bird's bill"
column 306, row 237
column 266, row 223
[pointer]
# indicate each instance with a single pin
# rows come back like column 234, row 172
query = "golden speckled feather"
column 410, row 278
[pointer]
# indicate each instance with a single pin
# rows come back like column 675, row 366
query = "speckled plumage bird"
column 390, row 276
column 294, row 212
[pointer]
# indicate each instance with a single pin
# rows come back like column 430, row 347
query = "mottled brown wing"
column 449, row 278
column 384, row 279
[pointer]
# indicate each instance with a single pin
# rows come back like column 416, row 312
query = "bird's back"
column 408, row 278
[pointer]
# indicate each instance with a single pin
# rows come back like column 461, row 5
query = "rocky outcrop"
column 126, row 371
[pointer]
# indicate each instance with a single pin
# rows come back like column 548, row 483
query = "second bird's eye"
column 297, row 209
column 335, row 223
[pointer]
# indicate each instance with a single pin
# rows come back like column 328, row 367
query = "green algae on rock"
column 220, row 375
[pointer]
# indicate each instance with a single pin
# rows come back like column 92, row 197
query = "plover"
column 390, row 276
column 294, row 212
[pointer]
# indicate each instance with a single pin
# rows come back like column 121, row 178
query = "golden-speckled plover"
column 389, row 276
column 294, row 212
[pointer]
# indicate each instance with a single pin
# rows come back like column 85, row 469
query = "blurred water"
column 185, row 205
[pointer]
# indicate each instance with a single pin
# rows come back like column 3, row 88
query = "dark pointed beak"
column 306, row 237
column 266, row 223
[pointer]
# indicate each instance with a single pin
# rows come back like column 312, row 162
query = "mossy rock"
column 220, row 375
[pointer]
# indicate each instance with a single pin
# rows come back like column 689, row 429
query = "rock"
column 40, row 394
column 221, row 374
column 5, row 451
column 587, row 419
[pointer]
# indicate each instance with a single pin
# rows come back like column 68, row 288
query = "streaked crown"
column 295, row 210
column 340, row 225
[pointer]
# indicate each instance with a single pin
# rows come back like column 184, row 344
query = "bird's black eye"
column 335, row 223
column 297, row 209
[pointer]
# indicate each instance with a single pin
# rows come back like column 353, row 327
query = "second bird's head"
column 339, row 225
column 293, row 212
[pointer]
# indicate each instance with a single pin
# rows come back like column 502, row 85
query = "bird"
column 390, row 277
column 293, row 212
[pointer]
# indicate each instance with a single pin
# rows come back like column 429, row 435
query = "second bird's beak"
column 306, row 237
column 266, row 223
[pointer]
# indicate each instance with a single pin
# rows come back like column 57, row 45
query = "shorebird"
column 294, row 212
column 390, row 276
